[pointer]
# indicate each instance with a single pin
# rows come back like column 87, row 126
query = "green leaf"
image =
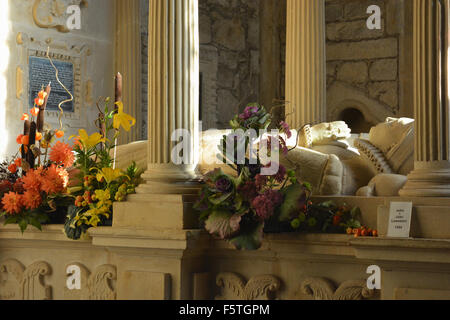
column 250, row 238
column 238, row 202
column 10, row 220
column 327, row 204
column 242, row 177
column 294, row 200
column 216, row 199
column 355, row 212
column 352, row 223
column 223, row 224
column 302, row 217
column 308, row 186
column 35, row 223
column 23, row 224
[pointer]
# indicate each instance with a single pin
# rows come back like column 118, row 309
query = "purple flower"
column 284, row 148
column 260, row 181
column 248, row 190
column 281, row 175
column 286, row 129
column 249, row 112
column 224, row 185
column 266, row 203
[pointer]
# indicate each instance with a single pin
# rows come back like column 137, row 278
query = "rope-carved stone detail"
column 374, row 156
column 20, row 283
column 324, row 289
column 234, row 287
column 95, row 286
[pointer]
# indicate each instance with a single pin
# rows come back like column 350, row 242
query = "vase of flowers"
column 100, row 184
column 34, row 183
column 239, row 208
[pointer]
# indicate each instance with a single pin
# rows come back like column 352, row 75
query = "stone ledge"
column 403, row 250
column 274, row 245
column 146, row 238
column 48, row 233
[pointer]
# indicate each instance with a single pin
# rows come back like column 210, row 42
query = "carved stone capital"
column 324, row 289
column 234, row 287
column 20, row 283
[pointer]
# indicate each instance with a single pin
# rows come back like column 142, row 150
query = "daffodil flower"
column 89, row 141
column 123, row 119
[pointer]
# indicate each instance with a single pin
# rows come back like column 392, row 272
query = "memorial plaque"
column 41, row 73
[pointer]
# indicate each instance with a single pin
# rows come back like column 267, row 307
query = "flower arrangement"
column 239, row 208
column 100, row 184
column 33, row 186
column 49, row 179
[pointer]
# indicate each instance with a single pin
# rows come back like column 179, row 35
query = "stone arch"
column 342, row 99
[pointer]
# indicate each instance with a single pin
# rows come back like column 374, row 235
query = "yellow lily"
column 89, row 141
column 123, row 119
column 109, row 174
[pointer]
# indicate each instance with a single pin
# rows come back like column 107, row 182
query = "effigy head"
column 389, row 134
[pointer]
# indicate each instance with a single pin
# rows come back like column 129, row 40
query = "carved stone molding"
column 324, row 289
column 234, row 287
column 52, row 14
column 20, row 283
column 95, row 286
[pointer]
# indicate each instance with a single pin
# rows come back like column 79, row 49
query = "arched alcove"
column 355, row 120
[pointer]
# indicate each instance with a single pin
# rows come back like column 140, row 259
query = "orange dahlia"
column 55, row 180
column 31, row 199
column 62, row 154
column 12, row 168
column 12, row 203
column 32, row 180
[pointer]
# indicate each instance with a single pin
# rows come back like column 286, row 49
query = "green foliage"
column 250, row 237
column 102, row 184
column 34, row 218
column 295, row 199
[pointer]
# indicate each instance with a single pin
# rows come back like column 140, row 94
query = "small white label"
column 400, row 219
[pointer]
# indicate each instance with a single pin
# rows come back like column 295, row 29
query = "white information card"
column 400, row 219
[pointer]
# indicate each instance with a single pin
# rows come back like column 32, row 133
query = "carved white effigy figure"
column 326, row 155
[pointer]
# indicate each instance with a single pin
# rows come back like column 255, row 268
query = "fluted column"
column 305, row 62
column 128, row 62
column 431, row 177
column 173, row 94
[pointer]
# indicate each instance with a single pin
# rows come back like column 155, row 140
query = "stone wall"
column 229, row 58
column 364, row 64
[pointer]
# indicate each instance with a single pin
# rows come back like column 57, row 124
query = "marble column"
column 431, row 177
column 305, row 62
column 164, row 201
column 128, row 62
column 173, row 94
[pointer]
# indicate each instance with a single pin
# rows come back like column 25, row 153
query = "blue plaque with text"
column 41, row 73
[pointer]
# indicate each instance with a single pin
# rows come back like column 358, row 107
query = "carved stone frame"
column 59, row 51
